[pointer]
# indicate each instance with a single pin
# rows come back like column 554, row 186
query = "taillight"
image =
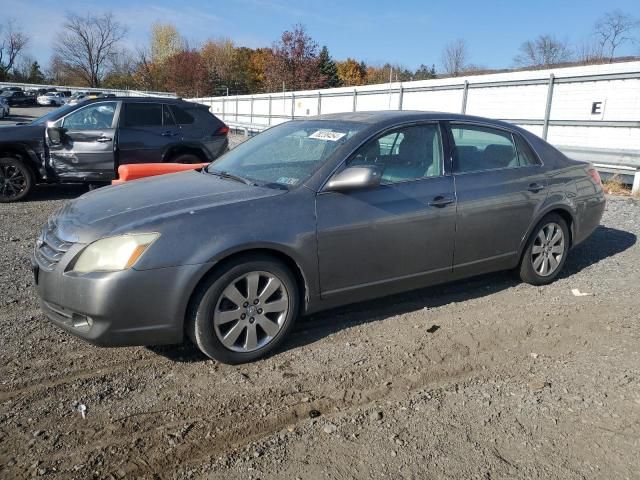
column 222, row 130
column 595, row 175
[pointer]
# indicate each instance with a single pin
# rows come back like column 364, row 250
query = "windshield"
column 287, row 154
column 53, row 115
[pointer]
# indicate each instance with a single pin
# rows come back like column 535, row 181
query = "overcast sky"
column 410, row 32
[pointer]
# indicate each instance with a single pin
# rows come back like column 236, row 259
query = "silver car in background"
column 51, row 99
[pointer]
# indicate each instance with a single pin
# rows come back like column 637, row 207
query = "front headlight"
column 114, row 253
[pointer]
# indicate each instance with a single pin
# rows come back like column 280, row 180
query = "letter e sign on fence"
column 597, row 108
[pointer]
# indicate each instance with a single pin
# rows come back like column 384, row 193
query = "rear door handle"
column 441, row 201
column 104, row 139
column 535, row 187
column 168, row 133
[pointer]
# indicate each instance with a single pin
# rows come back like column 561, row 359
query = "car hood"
column 147, row 203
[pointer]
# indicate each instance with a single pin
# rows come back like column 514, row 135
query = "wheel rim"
column 12, row 181
column 548, row 249
column 251, row 311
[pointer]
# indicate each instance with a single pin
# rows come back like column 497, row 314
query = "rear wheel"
column 16, row 180
column 546, row 251
column 185, row 158
column 244, row 311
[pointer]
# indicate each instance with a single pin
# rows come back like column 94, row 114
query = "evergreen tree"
column 35, row 74
column 328, row 69
column 425, row 73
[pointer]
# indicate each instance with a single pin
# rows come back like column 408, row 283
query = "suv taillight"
column 595, row 175
column 223, row 130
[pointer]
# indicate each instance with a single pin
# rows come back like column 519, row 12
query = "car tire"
column 185, row 158
column 239, row 330
column 16, row 180
column 546, row 251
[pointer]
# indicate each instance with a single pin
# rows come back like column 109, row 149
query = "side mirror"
column 354, row 178
column 55, row 135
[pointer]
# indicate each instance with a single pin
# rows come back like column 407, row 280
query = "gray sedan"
column 309, row 215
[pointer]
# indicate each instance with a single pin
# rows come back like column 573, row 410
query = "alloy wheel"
column 251, row 311
column 12, row 181
column 548, row 249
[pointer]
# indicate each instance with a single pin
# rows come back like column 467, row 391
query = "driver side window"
column 92, row 117
column 404, row 154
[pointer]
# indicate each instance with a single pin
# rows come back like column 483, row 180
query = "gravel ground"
column 484, row 378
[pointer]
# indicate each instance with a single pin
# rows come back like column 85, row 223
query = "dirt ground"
column 486, row 378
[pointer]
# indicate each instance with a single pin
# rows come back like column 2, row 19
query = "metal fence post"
column 355, row 100
column 400, row 96
column 224, row 115
column 547, row 111
column 251, row 111
column 635, row 187
column 269, row 115
column 293, row 106
column 236, row 108
column 319, row 103
column 465, row 95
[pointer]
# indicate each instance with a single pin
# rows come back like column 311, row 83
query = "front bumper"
column 125, row 308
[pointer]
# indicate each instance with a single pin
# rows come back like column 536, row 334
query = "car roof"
column 171, row 100
column 400, row 116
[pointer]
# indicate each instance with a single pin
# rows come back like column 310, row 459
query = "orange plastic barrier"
column 127, row 173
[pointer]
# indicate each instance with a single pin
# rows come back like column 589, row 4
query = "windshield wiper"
column 231, row 176
column 278, row 186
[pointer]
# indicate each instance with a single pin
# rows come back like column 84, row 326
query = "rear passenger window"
column 481, row 148
column 142, row 115
column 182, row 116
column 167, row 118
column 525, row 153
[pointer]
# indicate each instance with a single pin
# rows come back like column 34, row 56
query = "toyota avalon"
column 308, row 215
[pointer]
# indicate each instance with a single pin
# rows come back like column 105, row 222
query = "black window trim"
column 450, row 125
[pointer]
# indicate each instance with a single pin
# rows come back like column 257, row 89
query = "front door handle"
column 441, row 201
column 104, row 139
column 535, row 187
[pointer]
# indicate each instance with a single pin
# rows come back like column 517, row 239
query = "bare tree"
column 454, row 57
column 12, row 43
column 588, row 52
column 88, row 44
column 614, row 29
column 543, row 51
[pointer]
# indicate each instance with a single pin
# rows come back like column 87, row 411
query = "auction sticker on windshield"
column 327, row 135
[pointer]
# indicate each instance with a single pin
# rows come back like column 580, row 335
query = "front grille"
column 50, row 248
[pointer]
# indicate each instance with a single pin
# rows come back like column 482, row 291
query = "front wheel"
column 244, row 311
column 546, row 251
column 16, row 180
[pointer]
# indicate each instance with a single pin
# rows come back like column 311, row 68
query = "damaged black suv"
column 85, row 143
